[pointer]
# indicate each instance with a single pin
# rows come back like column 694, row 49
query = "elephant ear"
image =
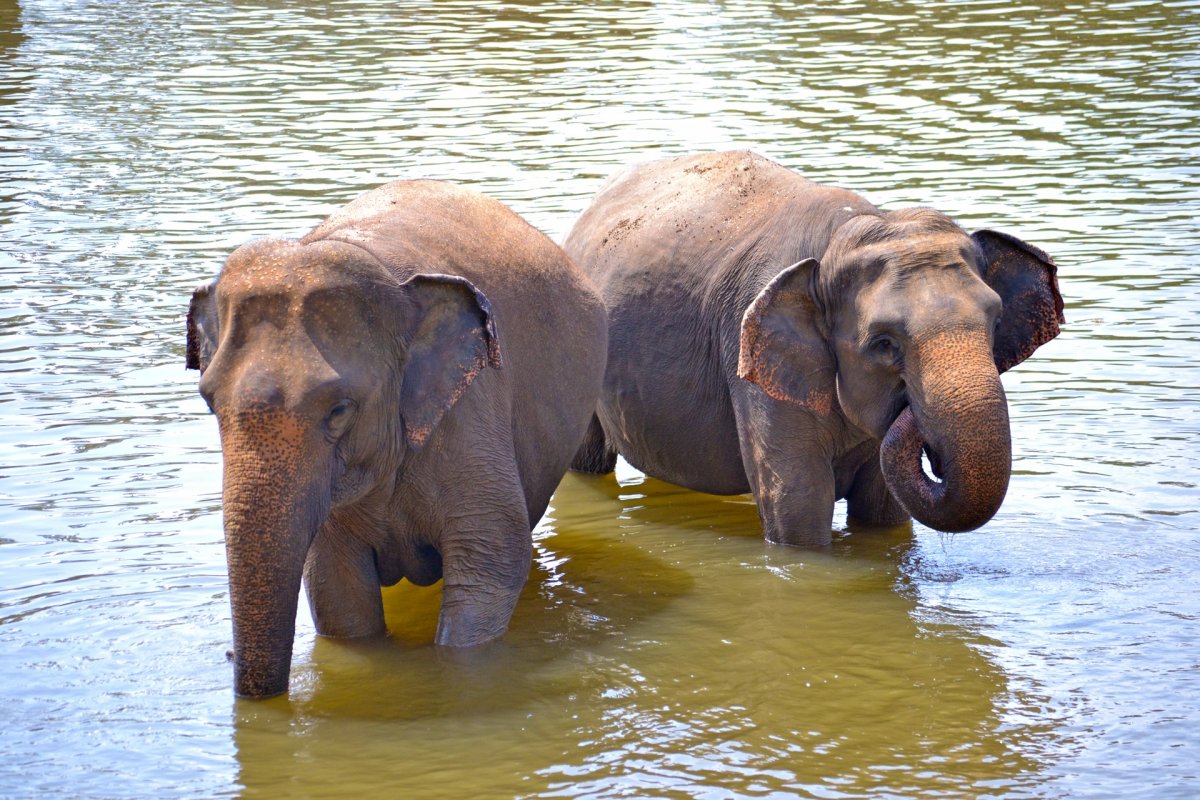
column 1027, row 281
column 202, row 326
column 451, row 337
column 782, row 347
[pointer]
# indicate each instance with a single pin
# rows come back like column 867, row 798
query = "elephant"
column 773, row 335
column 398, row 394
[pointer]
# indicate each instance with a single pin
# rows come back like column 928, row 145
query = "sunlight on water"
column 661, row 649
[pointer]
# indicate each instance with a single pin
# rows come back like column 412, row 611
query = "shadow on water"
column 757, row 668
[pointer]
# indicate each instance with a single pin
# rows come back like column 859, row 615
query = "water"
column 660, row 649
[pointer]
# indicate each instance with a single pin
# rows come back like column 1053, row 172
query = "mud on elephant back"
column 398, row 394
column 773, row 335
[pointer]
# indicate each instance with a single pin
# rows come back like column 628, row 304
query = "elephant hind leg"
column 594, row 455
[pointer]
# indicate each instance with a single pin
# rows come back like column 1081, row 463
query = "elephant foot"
column 475, row 620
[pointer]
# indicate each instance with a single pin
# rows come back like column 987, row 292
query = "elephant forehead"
column 948, row 296
column 910, row 275
column 284, row 266
column 911, row 255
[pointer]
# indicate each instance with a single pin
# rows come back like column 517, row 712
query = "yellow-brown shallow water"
column 670, row 652
column 661, row 649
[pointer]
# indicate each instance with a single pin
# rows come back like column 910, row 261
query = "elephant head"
column 325, row 373
column 907, row 323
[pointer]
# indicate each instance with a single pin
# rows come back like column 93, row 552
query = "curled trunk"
column 959, row 415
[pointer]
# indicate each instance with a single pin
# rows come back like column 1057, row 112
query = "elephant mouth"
column 930, row 460
column 908, row 462
column 933, row 461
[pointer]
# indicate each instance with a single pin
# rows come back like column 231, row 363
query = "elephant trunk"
column 958, row 414
column 272, row 509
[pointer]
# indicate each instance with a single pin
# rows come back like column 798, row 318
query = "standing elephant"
column 365, row 438
column 772, row 335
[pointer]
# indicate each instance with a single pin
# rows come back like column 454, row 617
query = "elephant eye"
column 883, row 345
column 886, row 351
column 339, row 415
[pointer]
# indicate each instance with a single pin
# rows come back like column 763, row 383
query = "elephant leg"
column 485, row 563
column 795, row 500
column 869, row 501
column 342, row 583
column 788, row 470
column 594, row 455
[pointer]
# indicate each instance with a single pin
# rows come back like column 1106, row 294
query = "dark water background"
column 661, row 649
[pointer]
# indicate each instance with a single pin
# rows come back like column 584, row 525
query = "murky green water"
column 661, row 649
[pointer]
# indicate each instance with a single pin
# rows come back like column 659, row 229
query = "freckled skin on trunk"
column 270, row 520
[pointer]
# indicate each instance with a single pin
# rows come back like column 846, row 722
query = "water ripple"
column 662, row 651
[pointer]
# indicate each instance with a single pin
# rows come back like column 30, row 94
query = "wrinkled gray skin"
column 398, row 394
column 772, row 335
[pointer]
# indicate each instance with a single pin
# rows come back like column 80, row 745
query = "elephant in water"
column 773, row 335
column 398, row 394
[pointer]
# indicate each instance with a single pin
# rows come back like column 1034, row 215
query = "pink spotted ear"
column 452, row 337
column 1027, row 281
column 782, row 347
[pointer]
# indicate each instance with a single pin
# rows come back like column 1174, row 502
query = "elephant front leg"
column 485, row 566
column 343, row 588
column 795, row 501
column 869, row 500
column 594, row 454
column 789, row 469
